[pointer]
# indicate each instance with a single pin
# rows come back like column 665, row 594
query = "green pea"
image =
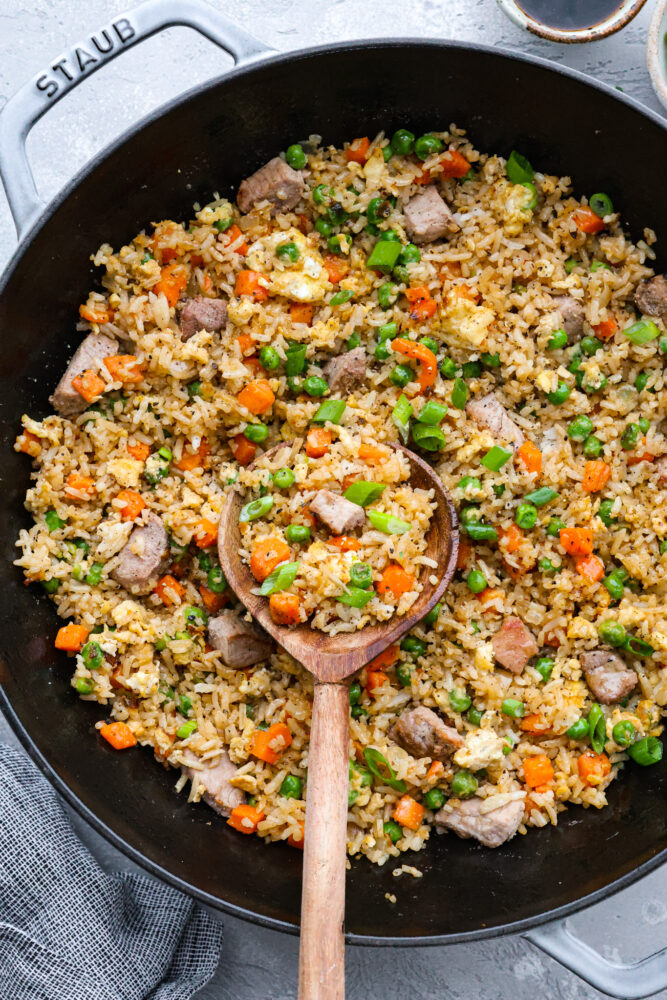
column 335, row 242
column 378, row 210
column 433, row 615
column 297, row 533
column 570, row 265
column 644, row 425
column 256, row 432
column 560, row 394
column 579, row 428
column 474, row 716
column 216, row 580
column 94, row 574
column 590, row 346
column 403, row 141
column 604, row 512
column 195, row 616
column 51, row 586
column 430, row 343
column 315, row 385
column 615, row 583
column 612, row 632
column 464, row 784
column 526, row 515
column 490, row 360
column 590, row 387
column 387, row 295
column 401, row 375
column 404, row 672
column 558, row 340
column 291, row 787
column 578, row 730
column 84, row 685
column 411, row 644
column 269, row 358
column 592, row 446
column 476, row 581
column 623, row 733
column 448, row 368
column 324, row 228
column 387, row 153
column 92, row 655
column 459, row 700
column 295, row 156
column 554, row 527
column 641, row 381
column 357, row 711
column 284, row 478
column 392, row 830
column 427, row 145
column 410, row 254
column 471, row 369
column 336, row 214
column 547, row 567
column 434, row 799
column 288, row 251
column 322, row 194
column 629, row 437
column 515, row 709
column 469, row 481
column 544, row 666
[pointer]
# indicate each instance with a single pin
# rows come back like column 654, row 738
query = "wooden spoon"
column 331, row 660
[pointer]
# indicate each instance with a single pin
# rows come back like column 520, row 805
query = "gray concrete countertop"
column 257, row 963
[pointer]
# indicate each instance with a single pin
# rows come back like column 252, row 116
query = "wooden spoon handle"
column 321, row 959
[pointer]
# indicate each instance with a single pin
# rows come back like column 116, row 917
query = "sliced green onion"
column 597, row 728
column 646, row 751
column 53, row 522
column 382, row 769
column 387, row 523
column 427, row 437
column 642, row 332
column 187, row 729
column 432, row 413
column 401, row 416
column 496, row 457
column 281, row 578
column 363, row 492
column 331, row 411
column 295, row 359
column 356, row 597
column 481, row 532
column 515, row 709
column 637, row 646
column 344, row 295
column 256, row 508
column 541, row 496
column 384, row 256
column 518, row 168
column 459, row 394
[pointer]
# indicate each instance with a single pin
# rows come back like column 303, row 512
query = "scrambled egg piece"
column 484, row 657
column 126, row 471
column 466, row 321
column 515, row 210
column 483, row 748
column 304, row 280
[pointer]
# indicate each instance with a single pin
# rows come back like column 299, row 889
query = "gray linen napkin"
column 69, row 930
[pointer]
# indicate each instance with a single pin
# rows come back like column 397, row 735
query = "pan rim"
column 134, row 854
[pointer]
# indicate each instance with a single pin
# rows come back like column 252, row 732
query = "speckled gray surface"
column 258, row 964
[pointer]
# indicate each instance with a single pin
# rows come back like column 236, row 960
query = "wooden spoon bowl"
column 332, row 659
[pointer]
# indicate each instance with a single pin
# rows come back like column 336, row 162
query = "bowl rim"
column 656, row 51
column 24, row 737
column 618, row 19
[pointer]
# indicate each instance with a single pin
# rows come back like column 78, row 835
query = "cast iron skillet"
column 208, row 141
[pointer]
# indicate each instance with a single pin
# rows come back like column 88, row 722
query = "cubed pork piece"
column 422, row 733
column 489, row 412
column 572, row 315
column 276, row 182
column 513, row 645
column 143, row 557
column 241, row 643
column 347, row 371
column 428, row 217
column 201, row 313
column 651, row 297
column 66, row 400
column 607, row 675
column 214, row 778
column 337, row 513
column 491, row 828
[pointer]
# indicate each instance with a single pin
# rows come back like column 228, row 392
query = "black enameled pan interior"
column 207, row 143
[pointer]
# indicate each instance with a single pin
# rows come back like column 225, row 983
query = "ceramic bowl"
column 656, row 51
column 617, row 20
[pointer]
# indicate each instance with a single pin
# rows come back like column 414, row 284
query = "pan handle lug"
column 70, row 68
column 626, row 982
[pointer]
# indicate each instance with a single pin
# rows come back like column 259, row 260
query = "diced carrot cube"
column 269, row 744
column 71, row 637
column 409, row 812
column 284, row 609
column 132, row 504
column 257, row 396
column 245, row 818
column 89, row 385
column 118, row 735
column 537, row 771
column 205, row 533
column 169, row 590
